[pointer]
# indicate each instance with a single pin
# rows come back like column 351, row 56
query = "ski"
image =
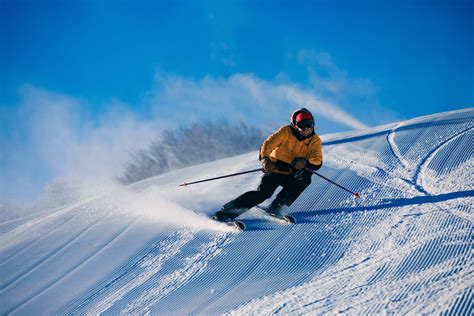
column 237, row 225
column 287, row 218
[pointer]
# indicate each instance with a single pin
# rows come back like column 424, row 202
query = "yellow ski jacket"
column 285, row 145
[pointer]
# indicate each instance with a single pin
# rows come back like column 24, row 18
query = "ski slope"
column 405, row 246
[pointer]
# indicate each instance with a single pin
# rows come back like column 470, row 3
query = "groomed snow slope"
column 404, row 247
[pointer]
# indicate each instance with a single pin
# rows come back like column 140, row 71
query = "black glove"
column 268, row 166
column 299, row 163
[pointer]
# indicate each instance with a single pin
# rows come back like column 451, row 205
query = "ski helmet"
column 302, row 114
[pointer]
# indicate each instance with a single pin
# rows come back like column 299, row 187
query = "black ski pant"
column 293, row 185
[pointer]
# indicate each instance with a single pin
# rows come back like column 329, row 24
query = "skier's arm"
column 272, row 142
column 315, row 160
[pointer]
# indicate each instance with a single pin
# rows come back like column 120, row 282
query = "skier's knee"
column 265, row 195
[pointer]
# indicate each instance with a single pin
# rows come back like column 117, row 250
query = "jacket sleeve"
column 273, row 141
column 316, row 154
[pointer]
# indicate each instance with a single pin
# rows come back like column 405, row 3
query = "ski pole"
column 221, row 177
column 356, row 195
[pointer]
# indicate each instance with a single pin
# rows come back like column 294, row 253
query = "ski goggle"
column 305, row 124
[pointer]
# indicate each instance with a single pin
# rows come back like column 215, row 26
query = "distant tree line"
column 187, row 146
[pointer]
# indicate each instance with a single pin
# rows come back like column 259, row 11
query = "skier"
column 284, row 156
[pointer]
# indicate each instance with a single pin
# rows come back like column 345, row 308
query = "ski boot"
column 228, row 212
column 275, row 208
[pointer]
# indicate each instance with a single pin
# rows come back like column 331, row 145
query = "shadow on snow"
column 307, row 216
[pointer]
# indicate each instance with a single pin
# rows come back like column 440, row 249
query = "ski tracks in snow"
column 407, row 174
column 423, row 168
column 396, row 151
column 131, row 277
column 404, row 263
column 192, row 267
column 49, row 282
column 145, row 279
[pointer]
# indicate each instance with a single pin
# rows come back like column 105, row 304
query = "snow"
column 405, row 246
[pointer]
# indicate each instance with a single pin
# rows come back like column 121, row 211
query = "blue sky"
column 111, row 74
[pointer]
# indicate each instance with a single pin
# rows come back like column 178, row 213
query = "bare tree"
column 187, row 146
